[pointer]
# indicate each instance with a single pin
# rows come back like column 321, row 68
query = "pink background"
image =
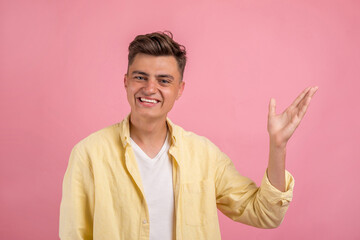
column 61, row 71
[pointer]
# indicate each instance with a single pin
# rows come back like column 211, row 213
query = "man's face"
column 153, row 85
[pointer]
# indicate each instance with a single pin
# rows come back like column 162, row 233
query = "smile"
column 148, row 100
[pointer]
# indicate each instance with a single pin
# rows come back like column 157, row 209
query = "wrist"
column 277, row 143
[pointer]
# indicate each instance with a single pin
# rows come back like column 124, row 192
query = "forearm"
column 239, row 198
column 276, row 165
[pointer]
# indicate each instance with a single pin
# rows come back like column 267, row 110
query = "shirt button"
column 144, row 221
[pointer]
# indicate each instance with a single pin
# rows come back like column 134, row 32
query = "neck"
column 148, row 131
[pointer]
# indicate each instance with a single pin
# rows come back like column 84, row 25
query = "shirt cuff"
column 274, row 195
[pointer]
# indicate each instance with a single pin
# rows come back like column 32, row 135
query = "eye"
column 139, row 77
column 164, row 81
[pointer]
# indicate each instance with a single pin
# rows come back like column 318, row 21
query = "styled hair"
column 158, row 44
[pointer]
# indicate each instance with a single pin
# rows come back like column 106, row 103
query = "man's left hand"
column 282, row 126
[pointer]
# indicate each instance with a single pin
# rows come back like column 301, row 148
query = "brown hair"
column 158, row 44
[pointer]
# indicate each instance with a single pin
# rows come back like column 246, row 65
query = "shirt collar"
column 125, row 131
column 174, row 131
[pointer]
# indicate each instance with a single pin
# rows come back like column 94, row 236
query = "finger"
column 309, row 94
column 314, row 91
column 272, row 107
column 305, row 106
column 300, row 97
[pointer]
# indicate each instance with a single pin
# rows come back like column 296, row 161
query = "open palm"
column 282, row 126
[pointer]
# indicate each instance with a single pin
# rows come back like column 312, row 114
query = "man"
column 147, row 178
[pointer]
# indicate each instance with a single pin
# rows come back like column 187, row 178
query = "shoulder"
column 95, row 141
column 190, row 139
column 198, row 155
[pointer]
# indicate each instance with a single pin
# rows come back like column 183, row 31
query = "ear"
column 125, row 80
column 181, row 89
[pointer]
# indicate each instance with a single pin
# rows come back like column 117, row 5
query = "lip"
column 147, row 104
column 157, row 100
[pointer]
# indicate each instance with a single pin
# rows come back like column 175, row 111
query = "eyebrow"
column 165, row 76
column 160, row 75
column 140, row 72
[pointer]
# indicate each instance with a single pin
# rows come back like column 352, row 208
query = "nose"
column 150, row 87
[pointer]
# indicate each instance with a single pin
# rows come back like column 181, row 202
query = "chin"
column 148, row 115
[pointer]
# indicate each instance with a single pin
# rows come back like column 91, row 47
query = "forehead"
column 154, row 64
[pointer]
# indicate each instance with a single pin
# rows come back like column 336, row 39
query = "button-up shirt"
column 103, row 195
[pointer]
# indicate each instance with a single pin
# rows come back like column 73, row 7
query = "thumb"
column 272, row 107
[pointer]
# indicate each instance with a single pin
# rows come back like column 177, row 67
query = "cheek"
column 130, row 94
column 131, row 89
column 171, row 96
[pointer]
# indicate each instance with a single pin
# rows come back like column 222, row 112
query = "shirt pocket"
column 199, row 203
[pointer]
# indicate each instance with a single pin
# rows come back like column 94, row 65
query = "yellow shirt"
column 103, row 196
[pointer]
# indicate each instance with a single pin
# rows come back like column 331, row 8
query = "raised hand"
column 281, row 126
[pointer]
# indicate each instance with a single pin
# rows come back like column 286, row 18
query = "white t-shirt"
column 156, row 175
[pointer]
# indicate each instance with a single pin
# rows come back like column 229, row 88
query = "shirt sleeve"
column 240, row 199
column 77, row 203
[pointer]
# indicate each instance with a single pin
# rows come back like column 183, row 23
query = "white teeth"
column 148, row 100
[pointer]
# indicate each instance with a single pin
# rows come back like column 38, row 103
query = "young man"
column 147, row 178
